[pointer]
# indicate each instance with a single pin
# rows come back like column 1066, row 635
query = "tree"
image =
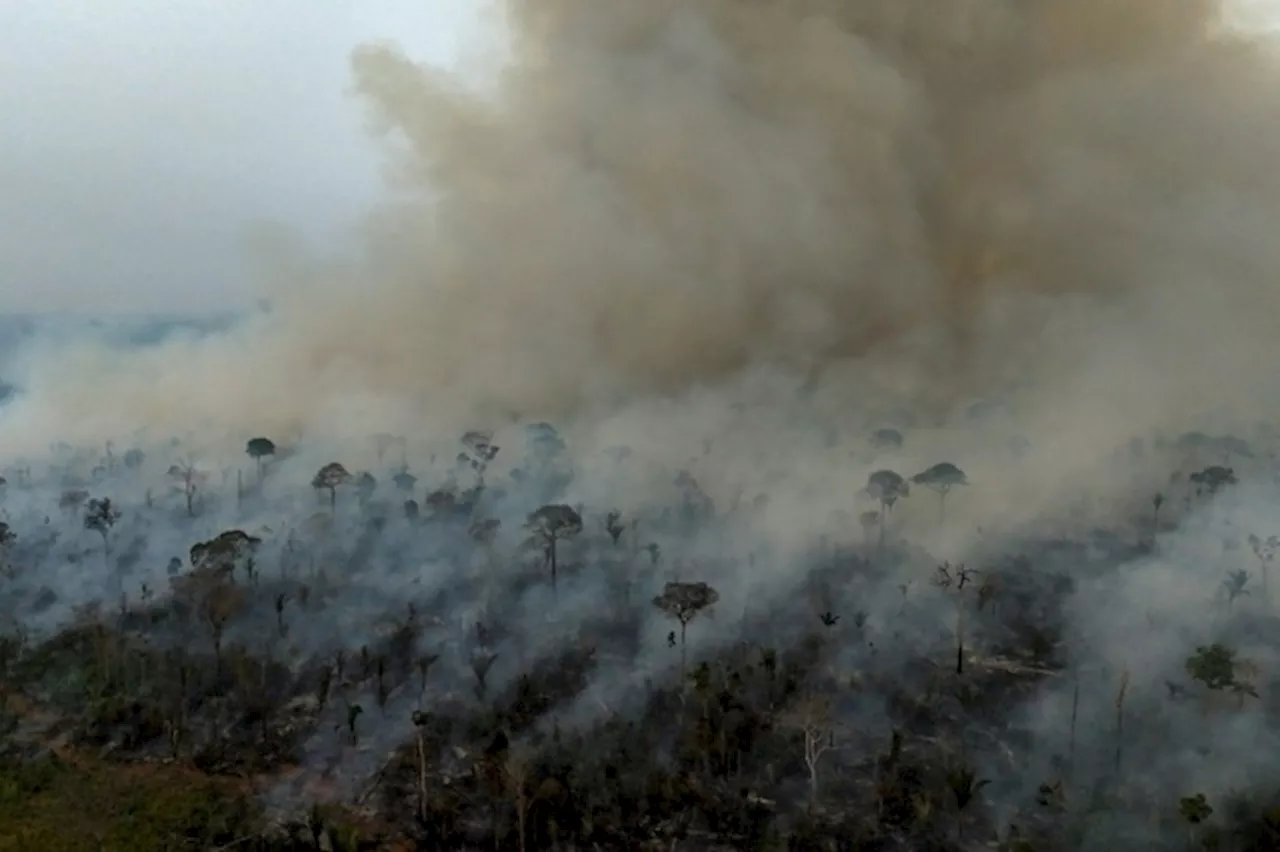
column 614, row 526
column 956, row 578
column 1218, row 668
column 220, row 602
column 812, row 717
column 888, row 487
column 683, row 601
column 550, row 525
column 404, row 481
column 134, row 458
column 478, row 451
column 420, row 720
column 1213, row 479
column 1234, row 585
column 366, row 486
column 189, row 479
column 329, row 478
column 868, row 521
column 260, row 449
column 101, row 516
column 7, row 539
column 1195, row 810
column 942, row 477
column 72, row 499
column 223, row 554
column 886, row 439
column 516, row 771
column 965, row 787
column 1265, row 551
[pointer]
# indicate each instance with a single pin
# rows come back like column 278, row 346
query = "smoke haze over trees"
column 660, row 305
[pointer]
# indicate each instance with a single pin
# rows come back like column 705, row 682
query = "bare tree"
column 813, row 718
column 551, row 525
column 956, row 578
column 1265, row 551
column 478, row 451
column 480, row 665
column 420, row 721
column 683, row 601
column 516, row 771
column 189, row 479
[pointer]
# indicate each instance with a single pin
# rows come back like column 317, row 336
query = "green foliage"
column 260, row 448
column 1217, row 667
column 52, row 805
column 1195, row 809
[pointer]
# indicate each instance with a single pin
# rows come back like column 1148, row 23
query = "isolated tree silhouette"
column 478, row 451
column 942, row 477
column 134, row 458
column 683, row 601
column 7, row 539
column 813, row 717
column 614, row 526
column 886, row 439
column 189, row 480
column 404, row 481
column 549, row 526
column 366, row 486
column 260, row 449
column 329, row 478
column 101, row 516
column 1265, row 551
column 1213, row 479
column 888, row 487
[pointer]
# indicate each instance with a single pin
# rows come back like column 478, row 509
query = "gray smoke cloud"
column 1069, row 204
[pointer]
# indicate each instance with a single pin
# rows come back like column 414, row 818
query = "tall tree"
column 260, row 449
column 329, row 478
column 551, row 525
column 941, row 478
column 683, row 601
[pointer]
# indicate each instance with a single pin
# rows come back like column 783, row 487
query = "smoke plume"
column 1064, row 205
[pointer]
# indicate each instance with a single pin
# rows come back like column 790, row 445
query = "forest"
column 771, row 425
column 458, row 651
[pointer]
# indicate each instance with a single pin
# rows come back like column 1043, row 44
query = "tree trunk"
column 812, row 762
column 684, row 651
column 554, row 562
column 422, row 778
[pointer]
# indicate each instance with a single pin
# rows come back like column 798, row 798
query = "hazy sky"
column 139, row 139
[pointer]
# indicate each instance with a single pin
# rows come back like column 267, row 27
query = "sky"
column 142, row 139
